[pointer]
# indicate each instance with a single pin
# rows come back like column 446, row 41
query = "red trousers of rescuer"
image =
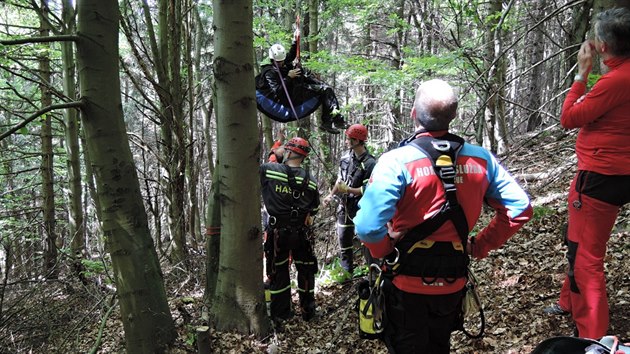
column 594, row 202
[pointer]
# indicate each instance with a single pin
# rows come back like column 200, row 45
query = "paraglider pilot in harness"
column 286, row 91
column 291, row 198
column 422, row 200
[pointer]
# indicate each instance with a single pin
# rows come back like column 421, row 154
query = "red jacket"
column 405, row 190
column 272, row 154
column 604, row 118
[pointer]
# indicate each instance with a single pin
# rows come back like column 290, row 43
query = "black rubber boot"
column 327, row 126
column 339, row 122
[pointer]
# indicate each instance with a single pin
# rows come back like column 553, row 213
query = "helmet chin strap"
column 290, row 155
column 352, row 146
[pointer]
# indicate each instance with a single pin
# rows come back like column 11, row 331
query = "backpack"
column 443, row 154
column 371, row 305
column 574, row 345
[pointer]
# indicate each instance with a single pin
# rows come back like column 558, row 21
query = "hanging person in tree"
column 602, row 183
column 422, row 201
column 355, row 169
column 291, row 197
column 286, row 91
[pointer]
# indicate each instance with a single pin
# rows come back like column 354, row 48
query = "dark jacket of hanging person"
column 355, row 171
column 290, row 195
column 306, row 92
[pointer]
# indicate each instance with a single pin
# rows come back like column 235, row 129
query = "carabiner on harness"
column 375, row 273
column 387, row 258
column 297, row 194
column 441, row 145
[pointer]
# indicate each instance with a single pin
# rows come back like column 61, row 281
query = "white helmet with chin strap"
column 277, row 52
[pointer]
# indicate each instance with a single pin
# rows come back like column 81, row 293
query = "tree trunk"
column 47, row 169
column 192, row 168
column 213, row 239
column 396, row 63
column 239, row 301
column 144, row 311
column 166, row 51
column 576, row 35
column 75, row 222
column 494, row 112
column 175, row 114
column 313, row 25
column 535, row 51
column 91, row 188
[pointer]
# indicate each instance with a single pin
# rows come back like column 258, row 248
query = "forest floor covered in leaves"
column 515, row 284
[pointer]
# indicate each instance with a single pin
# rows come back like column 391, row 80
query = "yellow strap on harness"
column 444, row 160
column 426, row 244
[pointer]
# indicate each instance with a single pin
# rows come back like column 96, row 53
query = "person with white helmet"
column 285, row 91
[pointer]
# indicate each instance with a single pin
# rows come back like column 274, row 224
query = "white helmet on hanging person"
column 277, row 52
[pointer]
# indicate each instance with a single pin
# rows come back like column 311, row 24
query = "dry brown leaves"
column 516, row 282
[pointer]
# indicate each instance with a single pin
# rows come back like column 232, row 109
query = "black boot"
column 309, row 313
column 327, row 126
column 339, row 121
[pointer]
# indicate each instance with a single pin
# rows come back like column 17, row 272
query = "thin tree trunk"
column 213, row 239
column 75, row 222
column 192, row 168
column 47, row 170
column 176, row 116
column 494, row 111
column 166, row 54
column 535, row 51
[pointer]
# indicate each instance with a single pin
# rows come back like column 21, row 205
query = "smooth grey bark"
column 238, row 301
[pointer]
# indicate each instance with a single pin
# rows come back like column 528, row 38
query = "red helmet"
column 357, row 131
column 298, row 145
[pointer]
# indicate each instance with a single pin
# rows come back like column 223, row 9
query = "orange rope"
column 213, row 230
column 297, row 40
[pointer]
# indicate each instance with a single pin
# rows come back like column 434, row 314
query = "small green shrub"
column 542, row 211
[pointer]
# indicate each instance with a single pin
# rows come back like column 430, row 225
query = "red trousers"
column 584, row 290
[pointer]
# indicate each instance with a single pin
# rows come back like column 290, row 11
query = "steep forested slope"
column 516, row 283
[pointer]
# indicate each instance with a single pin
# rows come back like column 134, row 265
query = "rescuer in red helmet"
column 355, row 169
column 291, row 198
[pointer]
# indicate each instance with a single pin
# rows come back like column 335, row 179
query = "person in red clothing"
column 406, row 201
column 602, row 183
column 276, row 154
